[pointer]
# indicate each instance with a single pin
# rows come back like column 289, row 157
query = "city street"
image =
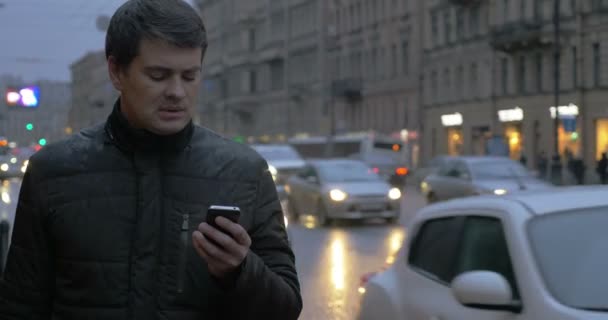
column 330, row 260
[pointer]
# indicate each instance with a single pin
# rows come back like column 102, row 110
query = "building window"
column 447, row 21
column 474, row 20
column 574, row 68
column 405, row 57
column 522, row 8
column 374, row 63
column 447, row 83
column 253, row 85
column 251, row 40
column 597, row 64
column 504, row 66
column 521, row 82
column 394, row 63
column 460, row 23
column 276, row 74
column 434, row 86
column 459, row 81
column 539, row 72
column 434, row 28
column 474, row 77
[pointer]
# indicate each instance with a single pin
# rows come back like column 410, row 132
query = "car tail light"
column 402, row 171
column 376, row 170
column 366, row 277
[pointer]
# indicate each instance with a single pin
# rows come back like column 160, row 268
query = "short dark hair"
column 174, row 21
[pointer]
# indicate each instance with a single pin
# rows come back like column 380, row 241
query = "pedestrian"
column 542, row 164
column 602, row 166
column 110, row 223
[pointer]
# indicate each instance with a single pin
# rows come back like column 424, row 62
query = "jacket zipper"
column 131, row 285
column 184, row 253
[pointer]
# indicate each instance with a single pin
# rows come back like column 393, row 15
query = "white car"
column 530, row 256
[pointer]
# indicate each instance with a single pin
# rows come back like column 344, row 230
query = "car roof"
column 540, row 202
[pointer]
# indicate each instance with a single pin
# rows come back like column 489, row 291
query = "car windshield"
column 277, row 153
column 499, row 169
column 346, row 172
column 570, row 250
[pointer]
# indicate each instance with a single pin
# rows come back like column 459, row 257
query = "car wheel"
column 392, row 220
column 293, row 212
column 431, row 198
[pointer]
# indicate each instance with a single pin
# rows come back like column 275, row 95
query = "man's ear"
column 115, row 72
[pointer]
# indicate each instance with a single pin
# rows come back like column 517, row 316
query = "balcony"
column 518, row 36
column 350, row 89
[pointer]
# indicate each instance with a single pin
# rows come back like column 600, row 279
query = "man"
column 110, row 223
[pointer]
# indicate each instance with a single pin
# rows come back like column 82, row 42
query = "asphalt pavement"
column 331, row 260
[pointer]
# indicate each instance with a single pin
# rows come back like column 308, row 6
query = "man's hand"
column 233, row 247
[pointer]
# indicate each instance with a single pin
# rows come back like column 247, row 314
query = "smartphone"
column 228, row 212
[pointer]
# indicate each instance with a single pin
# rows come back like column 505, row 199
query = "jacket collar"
column 120, row 132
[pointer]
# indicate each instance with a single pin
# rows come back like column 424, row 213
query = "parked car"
column 342, row 189
column 469, row 176
column 526, row 256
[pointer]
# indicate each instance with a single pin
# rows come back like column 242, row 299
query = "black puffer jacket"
column 104, row 223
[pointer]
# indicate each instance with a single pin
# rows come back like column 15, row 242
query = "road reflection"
column 395, row 241
column 338, row 258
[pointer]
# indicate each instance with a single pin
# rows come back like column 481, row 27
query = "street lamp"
column 556, row 166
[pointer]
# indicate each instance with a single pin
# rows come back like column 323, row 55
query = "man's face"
column 159, row 89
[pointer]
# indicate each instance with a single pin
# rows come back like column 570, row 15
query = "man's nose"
column 175, row 89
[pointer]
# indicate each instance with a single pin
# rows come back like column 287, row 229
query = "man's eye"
column 189, row 77
column 157, row 76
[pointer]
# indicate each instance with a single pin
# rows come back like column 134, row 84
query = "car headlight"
column 337, row 195
column 500, row 192
column 273, row 171
column 4, row 167
column 394, row 194
column 13, row 160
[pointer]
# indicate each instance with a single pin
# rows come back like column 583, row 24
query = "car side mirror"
column 485, row 290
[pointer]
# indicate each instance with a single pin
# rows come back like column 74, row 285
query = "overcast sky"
column 39, row 39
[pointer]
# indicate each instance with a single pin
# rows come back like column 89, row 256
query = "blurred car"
column 527, row 256
column 469, row 176
column 342, row 189
column 283, row 160
column 431, row 167
column 12, row 167
column 386, row 164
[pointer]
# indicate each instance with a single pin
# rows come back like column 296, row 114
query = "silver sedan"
column 342, row 189
column 468, row 176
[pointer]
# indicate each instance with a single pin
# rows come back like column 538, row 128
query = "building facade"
column 489, row 73
column 41, row 124
column 277, row 69
column 93, row 94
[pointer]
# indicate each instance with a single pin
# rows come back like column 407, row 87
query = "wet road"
column 9, row 193
column 330, row 260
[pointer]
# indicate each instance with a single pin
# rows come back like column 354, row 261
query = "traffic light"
column 29, row 126
column 42, row 142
